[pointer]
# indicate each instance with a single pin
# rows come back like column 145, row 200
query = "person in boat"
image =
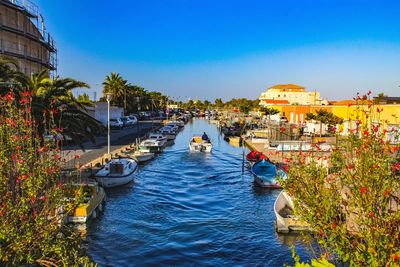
column 204, row 137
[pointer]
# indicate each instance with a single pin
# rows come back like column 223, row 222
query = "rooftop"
column 287, row 86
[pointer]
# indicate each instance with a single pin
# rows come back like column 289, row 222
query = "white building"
column 294, row 94
column 100, row 112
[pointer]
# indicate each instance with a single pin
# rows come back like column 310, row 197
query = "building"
column 292, row 93
column 23, row 37
column 100, row 112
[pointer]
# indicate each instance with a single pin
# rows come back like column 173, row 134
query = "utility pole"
column 108, row 98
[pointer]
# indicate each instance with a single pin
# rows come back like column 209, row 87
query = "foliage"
column 31, row 193
column 351, row 201
column 269, row 111
column 52, row 98
column 132, row 97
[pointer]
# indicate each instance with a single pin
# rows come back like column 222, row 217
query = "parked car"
column 128, row 122
column 133, row 118
column 116, row 123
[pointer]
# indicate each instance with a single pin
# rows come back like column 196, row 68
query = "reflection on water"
column 193, row 209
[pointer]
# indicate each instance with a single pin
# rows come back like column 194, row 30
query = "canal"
column 191, row 209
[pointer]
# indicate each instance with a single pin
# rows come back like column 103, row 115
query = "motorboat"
column 150, row 145
column 174, row 127
column 141, row 156
column 179, row 123
column 94, row 199
column 286, row 221
column 116, row 172
column 255, row 156
column 158, row 137
column 168, row 133
column 200, row 145
column 266, row 174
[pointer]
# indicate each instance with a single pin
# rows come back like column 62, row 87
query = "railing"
column 27, row 5
column 21, row 50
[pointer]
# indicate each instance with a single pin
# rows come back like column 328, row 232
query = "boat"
column 200, row 145
column 235, row 140
column 168, row 133
column 179, row 123
column 158, row 137
column 266, row 174
column 116, row 172
column 255, row 156
column 286, row 221
column 140, row 156
column 152, row 146
column 93, row 203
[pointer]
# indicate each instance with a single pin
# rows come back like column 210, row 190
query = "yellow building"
column 293, row 93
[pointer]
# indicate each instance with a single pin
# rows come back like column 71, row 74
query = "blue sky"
column 230, row 48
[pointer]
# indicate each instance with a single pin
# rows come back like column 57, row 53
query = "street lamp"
column 108, row 98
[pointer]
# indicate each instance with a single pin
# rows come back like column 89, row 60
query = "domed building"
column 23, row 37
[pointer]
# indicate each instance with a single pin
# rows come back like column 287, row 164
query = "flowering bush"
column 352, row 201
column 31, row 193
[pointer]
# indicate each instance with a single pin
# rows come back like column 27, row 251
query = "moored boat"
column 235, row 140
column 116, row 172
column 266, row 174
column 141, row 156
column 168, row 133
column 152, row 146
column 286, row 221
column 255, row 156
column 93, row 203
column 199, row 145
column 158, row 137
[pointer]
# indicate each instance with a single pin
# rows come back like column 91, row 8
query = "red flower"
column 369, row 92
column 379, row 109
column 77, row 156
column 363, row 190
column 10, row 97
column 350, row 167
column 395, row 257
column 386, row 193
column 23, row 101
column 334, row 225
column 371, row 214
column 321, row 232
column 42, row 198
column 33, row 199
column 59, row 184
column 366, row 132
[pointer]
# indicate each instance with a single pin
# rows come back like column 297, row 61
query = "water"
column 190, row 209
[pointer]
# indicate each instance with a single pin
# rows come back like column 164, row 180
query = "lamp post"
column 108, row 98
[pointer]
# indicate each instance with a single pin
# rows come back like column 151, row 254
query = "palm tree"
column 117, row 86
column 54, row 104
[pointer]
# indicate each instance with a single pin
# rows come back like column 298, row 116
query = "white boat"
column 116, row 172
column 199, row 145
column 158, row 137
column 174, row 127
column 152, row 146
column 179, row 123
column 168, row 133
column 141, row 156
column 286, row 221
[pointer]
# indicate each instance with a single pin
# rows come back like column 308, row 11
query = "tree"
column 117, row 86
column 218, row 103
column 324, row 117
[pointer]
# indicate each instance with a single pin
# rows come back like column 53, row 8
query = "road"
column 119, row 138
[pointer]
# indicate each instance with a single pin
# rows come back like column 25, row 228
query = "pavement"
column 73, row 155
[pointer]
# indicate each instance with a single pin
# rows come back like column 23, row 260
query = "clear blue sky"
column 230, row 48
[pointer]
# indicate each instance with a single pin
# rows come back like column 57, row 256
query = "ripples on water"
column 190, row 209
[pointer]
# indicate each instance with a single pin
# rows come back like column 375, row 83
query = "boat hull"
column 143, row 157
column 266, row 174
column 285, row 220
column 110, row 181
column 151, row 149
column 195, row 147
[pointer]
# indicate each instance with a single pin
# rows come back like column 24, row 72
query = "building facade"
column 293, row 93
column 24, row 39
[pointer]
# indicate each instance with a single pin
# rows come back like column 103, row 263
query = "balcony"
column 19, row 50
